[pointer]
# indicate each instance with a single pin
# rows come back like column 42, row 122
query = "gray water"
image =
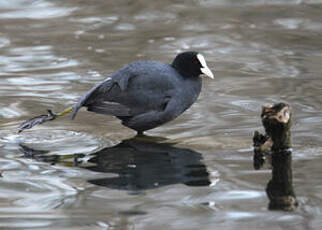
column 193, row 173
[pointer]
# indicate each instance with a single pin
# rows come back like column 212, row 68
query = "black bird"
column 147, row 94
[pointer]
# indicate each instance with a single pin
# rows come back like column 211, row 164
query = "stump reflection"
column 280, row 188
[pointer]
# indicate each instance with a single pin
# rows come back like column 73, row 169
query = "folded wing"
column 96, row 101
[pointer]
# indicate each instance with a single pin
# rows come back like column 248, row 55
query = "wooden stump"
column 276, row 143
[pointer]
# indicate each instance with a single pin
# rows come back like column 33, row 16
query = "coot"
column 147, row 94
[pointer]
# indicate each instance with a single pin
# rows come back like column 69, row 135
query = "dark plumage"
column 147, row 94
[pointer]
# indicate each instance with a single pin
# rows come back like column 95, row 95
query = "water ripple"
column 17, row 9
column 59, row 142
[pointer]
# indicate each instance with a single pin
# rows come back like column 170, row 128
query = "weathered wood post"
column 277, row 120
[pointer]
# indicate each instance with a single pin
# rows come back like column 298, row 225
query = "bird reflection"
column 140, row 163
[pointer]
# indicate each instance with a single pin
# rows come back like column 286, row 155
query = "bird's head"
column 191, row 64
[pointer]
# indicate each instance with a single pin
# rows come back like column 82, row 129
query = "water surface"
column 193, row 173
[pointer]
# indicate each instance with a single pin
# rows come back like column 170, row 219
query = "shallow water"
column 193, row 173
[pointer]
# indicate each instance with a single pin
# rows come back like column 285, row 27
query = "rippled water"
column 193, row 173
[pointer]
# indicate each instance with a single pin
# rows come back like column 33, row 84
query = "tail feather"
column 110, row 108
column 85, row 98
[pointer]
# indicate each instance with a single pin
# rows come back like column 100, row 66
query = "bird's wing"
column 99, row 100
column 110, row 108
column 152, row 119
column 92, row 100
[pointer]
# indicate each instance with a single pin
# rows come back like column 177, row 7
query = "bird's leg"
column 140, row 133
column 42, row 119
column 66, row 111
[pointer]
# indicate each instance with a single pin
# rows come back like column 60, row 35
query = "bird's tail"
column 88, row 96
